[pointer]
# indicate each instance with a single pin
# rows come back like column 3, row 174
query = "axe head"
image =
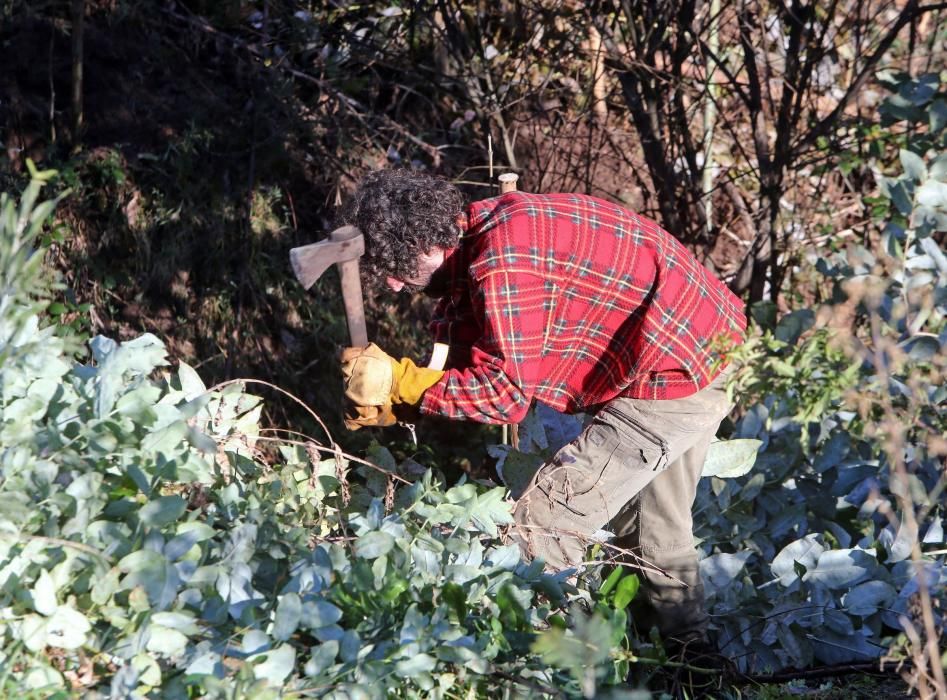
column 310, row 261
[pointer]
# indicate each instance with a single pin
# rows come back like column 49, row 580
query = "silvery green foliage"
column 139, row 528
column 147, row 549
column 807, row 557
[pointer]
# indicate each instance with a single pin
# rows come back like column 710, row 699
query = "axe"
column 343, row 247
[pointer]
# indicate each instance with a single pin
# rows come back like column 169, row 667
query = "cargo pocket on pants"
column 589, row 478
column 641, row 447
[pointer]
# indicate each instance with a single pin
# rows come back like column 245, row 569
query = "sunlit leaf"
column 374, row 544
column 275, row 665
column 913, row 165
column 729, row 459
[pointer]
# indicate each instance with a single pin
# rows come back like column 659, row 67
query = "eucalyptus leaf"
column 274, row 665
column 321, row 658
column 44, row 594
column 938, row 167
column 289, row 613
column 374, row 544
column 319, row 613
column 866, row 598
column 491, row 509
column 841, row 568
column 418, row 663
column 162, row 511
column 729, row 459
column 933, row 194
column 166, row 641
column 805, row 551
column 719, row 570
column 67, row 628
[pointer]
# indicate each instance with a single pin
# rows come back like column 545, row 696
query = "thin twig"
column 333, row 451
column 295, row 398
column 55, row 541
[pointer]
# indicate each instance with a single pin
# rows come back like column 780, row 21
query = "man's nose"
column 394, row 284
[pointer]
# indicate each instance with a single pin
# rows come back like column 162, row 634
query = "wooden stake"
column 508, row 184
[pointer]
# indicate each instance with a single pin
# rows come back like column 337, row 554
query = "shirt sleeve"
column 498, row 384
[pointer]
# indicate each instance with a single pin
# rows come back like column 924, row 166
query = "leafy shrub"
column 827, row 549
column 149, row 547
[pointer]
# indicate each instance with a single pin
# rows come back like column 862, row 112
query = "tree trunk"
column 78, row 27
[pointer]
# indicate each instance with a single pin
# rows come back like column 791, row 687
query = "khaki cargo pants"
column 633, row 470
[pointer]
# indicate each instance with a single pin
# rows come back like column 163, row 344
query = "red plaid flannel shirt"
column 572, row 300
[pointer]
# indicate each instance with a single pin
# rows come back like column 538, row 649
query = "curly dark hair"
column 403, row 214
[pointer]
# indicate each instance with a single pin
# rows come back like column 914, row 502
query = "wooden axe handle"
column 343, row 247
column 352, row 290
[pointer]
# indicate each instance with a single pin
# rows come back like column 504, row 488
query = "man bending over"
column 585, row 306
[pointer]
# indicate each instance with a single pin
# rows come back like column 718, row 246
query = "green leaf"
column 166, row 641
column 67, row 628
column 319, row 613
column 626, row 591
column 412, row 666
column 933, row 194
column 611, row 581
column 288, row 616
column 44, row 594
column 938, row 116
column 456, row 598
column 374, row 544
column 491, row 509
column 729, row 459
column 275, row 665
column 840, row 568
column 162, row 511
column 913, row 165
column 512, row 613
column 580, row 651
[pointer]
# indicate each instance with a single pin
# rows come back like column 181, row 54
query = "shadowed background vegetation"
column 204, row 139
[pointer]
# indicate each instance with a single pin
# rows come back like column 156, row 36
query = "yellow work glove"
column 368, row 416
column 372, row 377
column 411, row 381
column 367, row 375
